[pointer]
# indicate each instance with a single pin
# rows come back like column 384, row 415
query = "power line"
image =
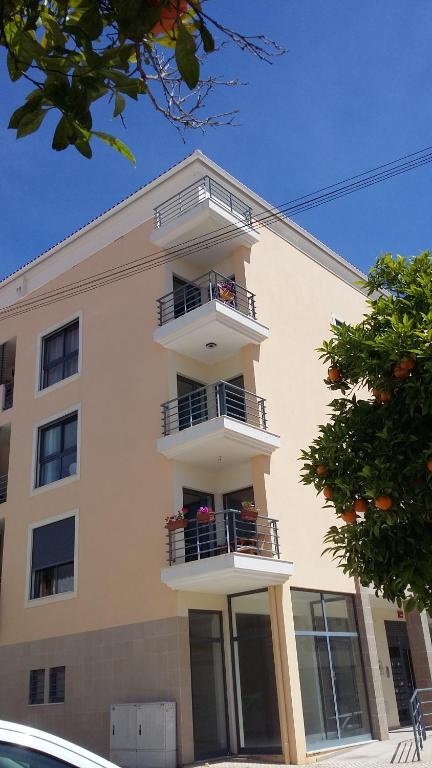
column 298, row 205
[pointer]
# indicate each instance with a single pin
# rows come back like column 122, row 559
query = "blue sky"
column 353, row 91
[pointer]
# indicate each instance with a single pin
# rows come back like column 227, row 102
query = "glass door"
column 401, row 666
column 186, row 296
column 209, row 708
column 254, row 674
column 192, row 402
column 235, row 403
column 200, row 538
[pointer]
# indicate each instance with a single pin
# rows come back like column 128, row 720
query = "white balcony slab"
column 213, row 322
column 227, row 574
column 218, row 442
column 212, row 226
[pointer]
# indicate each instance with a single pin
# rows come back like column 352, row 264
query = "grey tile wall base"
column 133, row 663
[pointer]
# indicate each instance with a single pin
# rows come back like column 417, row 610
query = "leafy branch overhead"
column 73, row 53
column 372, row 460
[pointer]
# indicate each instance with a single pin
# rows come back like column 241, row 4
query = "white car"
column 25, row 747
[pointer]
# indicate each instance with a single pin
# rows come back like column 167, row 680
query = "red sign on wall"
column 400, row 615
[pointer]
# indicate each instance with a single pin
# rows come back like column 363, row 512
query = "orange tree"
column 372, row 460
column 71, row 53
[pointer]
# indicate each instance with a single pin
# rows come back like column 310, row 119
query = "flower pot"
column 205, row 517
column 225, row 294
column 174, row 525
column 249, row 514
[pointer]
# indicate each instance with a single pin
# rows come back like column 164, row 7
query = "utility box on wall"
column 144, row 735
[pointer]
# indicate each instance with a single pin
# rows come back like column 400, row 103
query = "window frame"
column 50, row 670
column 46, row 333
column 32, row 601
column 29, row 701
column 37, row 428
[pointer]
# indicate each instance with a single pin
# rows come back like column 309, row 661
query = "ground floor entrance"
column 401, row 667
column 253, row 679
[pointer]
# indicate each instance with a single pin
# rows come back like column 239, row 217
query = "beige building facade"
column 161, row 361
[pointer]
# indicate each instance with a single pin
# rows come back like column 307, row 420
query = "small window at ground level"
column 37, row 686
column 52, row 558
column 60, row 352
column 56, row 685
column 57, row 450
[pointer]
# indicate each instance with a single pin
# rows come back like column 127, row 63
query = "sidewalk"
column 398, row 750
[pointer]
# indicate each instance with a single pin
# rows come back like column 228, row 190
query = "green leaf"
column 84, row 148
column 116, row 144
column 187, row 62
column 120, row 103
column 30, row 123
column 207, row 39
column 61, row 138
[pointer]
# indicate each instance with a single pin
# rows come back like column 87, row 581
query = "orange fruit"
column 408, row 363
column 429, row 465
column 334, row 373
column 383, row 502
column 385, row 397
column 349, row 516
column 169, row 16
column 360, row 505
column 376, row 392
column 328, row 492
column 400, row 373
column 321, row 470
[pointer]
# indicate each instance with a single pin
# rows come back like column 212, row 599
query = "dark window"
column 60, row 354
column 57, row 453
column 36, row 686
column 56, row 685
column 52, row 567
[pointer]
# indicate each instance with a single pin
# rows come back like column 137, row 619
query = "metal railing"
column 420, row 706
column 204, row 189
column 8, row 395
column 211, row 401
column 209, row 287
column 3, row 488
column 228, row 532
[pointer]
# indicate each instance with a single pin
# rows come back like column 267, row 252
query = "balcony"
column 216, row 425
column 225, row 556
column 208, row 319
column 207, row 213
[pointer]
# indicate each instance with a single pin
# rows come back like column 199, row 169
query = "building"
column 265, row 646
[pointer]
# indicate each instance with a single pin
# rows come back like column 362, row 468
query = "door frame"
column 228, row 752
column 246, row 750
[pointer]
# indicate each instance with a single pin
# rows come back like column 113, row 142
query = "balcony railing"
column 211, row 401
column 8, row 395
column 209, row 287
column 204, row 189
column 3, row 488
column 228, row 533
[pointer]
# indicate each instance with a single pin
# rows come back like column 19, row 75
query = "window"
column 37, row 686
column 60, row 352
column 57, row 450
column 15, row 756
column 56, row 685
column 333, row 691
column 52, row 558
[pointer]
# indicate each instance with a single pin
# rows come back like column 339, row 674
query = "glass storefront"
column 254, row 674
column 331, row 674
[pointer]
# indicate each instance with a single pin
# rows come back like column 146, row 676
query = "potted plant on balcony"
column 174, row 522
column 226, row 290
column 249, row 511
column 205, row 515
